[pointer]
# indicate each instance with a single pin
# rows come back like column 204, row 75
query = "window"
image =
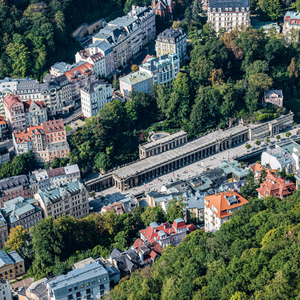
column 78, row 294
column 87, row 284
column 93, row 282
column 70, row 297
column 82, row 286
column 75, row 288
column 101, row 286
column 88, row 291
column 70, row 290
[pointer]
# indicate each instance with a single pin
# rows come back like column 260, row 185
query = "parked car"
column 74, row 123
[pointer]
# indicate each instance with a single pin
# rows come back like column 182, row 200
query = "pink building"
column 165, row 234
column 80, row 77
column 14, row 112
column 275, row 97
column 47, row 141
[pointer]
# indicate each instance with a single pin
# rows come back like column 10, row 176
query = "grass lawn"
column 68, row 128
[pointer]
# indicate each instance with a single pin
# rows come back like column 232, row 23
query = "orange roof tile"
column 2, row 120
column 276, row 186
column 25, row 135
column 10, row 99
column 83, row 69
column 221, row 202
column 29, row 102
column 52, row 126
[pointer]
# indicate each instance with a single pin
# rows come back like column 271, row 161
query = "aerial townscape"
column 150, row 150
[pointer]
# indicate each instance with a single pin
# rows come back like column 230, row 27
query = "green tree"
column 278, row 137
column 18, row 240
column 248, row 146
column 102, row 162
column 272, row 9
column 257, row 142
column 175, row 209
column 288, row 134
column 120, row 241
column 154, row 214
column 188, row 16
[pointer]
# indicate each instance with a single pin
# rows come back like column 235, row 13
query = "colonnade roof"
column 164, row 139
column 163, row 158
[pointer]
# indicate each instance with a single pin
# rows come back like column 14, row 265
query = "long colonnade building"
column 138, row 172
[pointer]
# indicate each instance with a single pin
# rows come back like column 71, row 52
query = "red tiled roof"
column 96, row 57
column 25, row 135
column 191, row 227
column 276, row 186
column 29, row 102
column 153, row 254
column 2, row 120
column 52, row 126
column 117, row 207
column 83, row 69
column 56, row 172
column 220, row 203
column 145, row 59
column 10, row 99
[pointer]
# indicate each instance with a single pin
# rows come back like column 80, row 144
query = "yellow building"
column 11, row 265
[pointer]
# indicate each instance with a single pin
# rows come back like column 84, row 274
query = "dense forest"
column 255, row 255
column 57, row 244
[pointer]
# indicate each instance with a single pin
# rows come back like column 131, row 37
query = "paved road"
column 8, row 143
column 112, row 195
column 74, row 116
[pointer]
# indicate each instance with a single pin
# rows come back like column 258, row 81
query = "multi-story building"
column 94, row 96
column 70, row 199
column 14, row 112
column 3, row 129
column 274, row 96
column 35, row 112
column 291, row 25
column 165, row 234
column 275, row 186
column 3, row 231
column 97, row 60
column 61, row 68
column 163, row 8
column 13, row 187
column 55, row 177
column 228, row 15
column 21, row 212
column 89, row 282
column 134, row 30
column 7, row 86
column 4, row 155
column 47, row 141
column 163, row 69
column 171, row 41
column 119, row 39
column 11, row 265
column 146, row 16
column 80, row 77
column 218, row 208
column 139, row 81
column 5, row 292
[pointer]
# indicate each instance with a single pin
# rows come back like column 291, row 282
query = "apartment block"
column 5, row 292
column 94, row 96
column 80, row 77
column 163, row 69
column 4, row 155
column 47, row 141
column 146, row 17
column 11, row 265
column 128, row 34
column 89, row 282
column 56, row 177
column 218, row 208
column 228, row 15
column 3, row 230
column 291, row 25
column 3, row 129
column 138, row 81
column 13, row 187
column 21, row 212
column 70, row 199
column 172, row 41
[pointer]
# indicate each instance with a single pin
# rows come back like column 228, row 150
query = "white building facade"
column 228, row 15
column 5, row 292
column 163, row 69
column 90, row 282
column 94, row 96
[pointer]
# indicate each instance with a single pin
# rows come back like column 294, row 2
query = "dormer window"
column 220, row 9
column 237, row 9
column 230, row 9
column 226, row 8
column 243, row 8
column 214, row 10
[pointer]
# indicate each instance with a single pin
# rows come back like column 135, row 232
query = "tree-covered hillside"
column 256, row 255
